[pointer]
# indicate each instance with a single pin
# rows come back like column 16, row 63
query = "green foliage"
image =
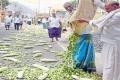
column 65, row 73
column 29, row 73
column 4, row 3
column 62, row 72
column 75, row 2
column 32, row 74
column 9, row 74
column 66, row 70
column 68, row 55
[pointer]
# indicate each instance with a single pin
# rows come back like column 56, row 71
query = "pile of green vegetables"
column 65, row 71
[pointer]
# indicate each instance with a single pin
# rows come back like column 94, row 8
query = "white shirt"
column 54, row 22
column 110, row 29
column 17, row 20
column 8, row 20
column 29, row 19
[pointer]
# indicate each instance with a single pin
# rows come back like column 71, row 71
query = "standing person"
column 70, row 9
column 47, row 22
column 39, row 21
column 29, row 21
column 54, row 28
column 17, row 22
column 44, row 22
column 21, row 22
column 83, row 53
column 8, row 21
column 110, row 35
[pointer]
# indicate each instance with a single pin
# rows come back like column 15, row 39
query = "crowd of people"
column 18, row 22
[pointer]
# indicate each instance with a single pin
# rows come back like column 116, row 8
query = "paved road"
column 31, row 38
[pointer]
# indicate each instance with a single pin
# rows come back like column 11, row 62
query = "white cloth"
column 54, row 22
column 110, row 35
column 110, row 26
column 39, row 19
column 8, row 20
column 29, row 19
column 111, row 70
column 17, row 20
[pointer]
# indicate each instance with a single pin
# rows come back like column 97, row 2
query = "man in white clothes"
column 110, row 35
column 17, row 21
column 8, row 21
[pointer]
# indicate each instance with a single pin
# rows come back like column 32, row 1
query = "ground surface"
column 31, row 45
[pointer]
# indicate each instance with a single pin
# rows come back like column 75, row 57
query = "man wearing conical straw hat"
column 83, row 55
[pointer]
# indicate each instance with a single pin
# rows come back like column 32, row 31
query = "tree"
column 3, row 3
column 75, row 2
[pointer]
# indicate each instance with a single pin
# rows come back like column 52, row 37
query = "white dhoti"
column 111, row 54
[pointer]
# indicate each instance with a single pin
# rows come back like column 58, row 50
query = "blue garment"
column 84, row 57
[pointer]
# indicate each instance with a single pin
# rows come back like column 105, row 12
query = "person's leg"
column 21, row 26
column 57, row 33
column 30, row 22
column 18, row 26
column 50, row 33
column 52, row 39
column 15, row 26
column 56, row 38
column 8, row 27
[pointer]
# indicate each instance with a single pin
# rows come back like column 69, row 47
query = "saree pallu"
column 54, row 32
column 84, row 57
